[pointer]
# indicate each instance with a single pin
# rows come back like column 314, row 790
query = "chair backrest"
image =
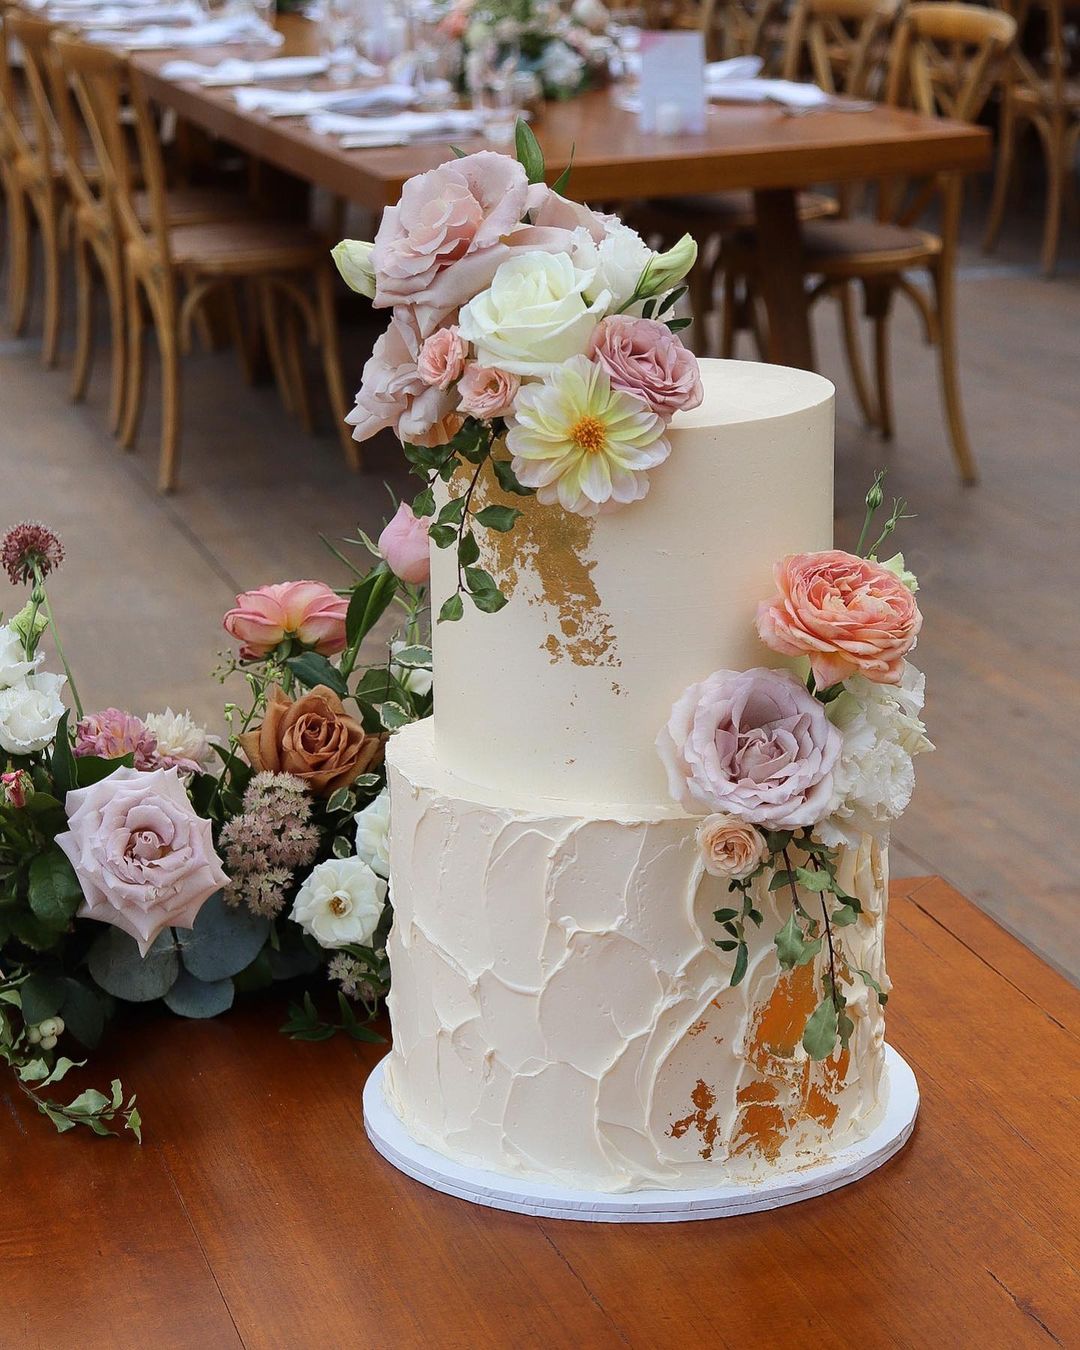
column 739, row 27
column 83, row 168
column 843, row 43
column 1049, row 71
column 37, row 139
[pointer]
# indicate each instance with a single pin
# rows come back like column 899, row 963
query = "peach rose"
column 442, row 358
column 847, row 614
column 730, row 847
column 308, row 611
column 312, row 738
column 405, row 546
column 485, row 392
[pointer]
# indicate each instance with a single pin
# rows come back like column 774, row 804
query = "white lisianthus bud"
column 666, row 270
column 26, row 620
column 895, row 564
column 352, row 258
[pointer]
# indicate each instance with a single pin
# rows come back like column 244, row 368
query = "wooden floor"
column 995, row 812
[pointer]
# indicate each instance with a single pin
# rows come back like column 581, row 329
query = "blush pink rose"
column 144, row 859
column 847, row 614
column 646, row 359
column 112, row 734
column 404, row 544
column 393, row 394
column 485, row 392
column 752, row 744
column 730, row 847
column 307, row 611
column 442, row 357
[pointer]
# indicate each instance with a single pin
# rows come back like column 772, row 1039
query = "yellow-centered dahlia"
column 581, row 443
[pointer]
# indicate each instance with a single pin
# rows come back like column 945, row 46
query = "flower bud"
column 29, row 624
column 352, row 258
column 666, row 270
column 16, row 788
column 875, row 496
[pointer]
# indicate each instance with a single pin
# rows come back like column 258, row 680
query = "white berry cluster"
column 45, row 1033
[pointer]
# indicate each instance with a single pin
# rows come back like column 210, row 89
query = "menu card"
column 672, row 83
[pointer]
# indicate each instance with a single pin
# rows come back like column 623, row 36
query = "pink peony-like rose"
column 143, row 857
column 394, row 394
column 442, row 357
column 112, row 734
column 646, row 359
column 485, row 392
column 308, row 611
column 753, row 744
column 452, row 211
column 844, row 612
column 404, row 544
column 730, row 847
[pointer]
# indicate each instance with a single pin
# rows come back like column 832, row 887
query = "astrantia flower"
column 181, row 742
column 341, row 901
column 582, row 443
column 28, row 546
column 112, row 734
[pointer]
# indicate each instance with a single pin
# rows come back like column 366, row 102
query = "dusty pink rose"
column 308, row 611
column 442, row 357
column 485, row 392
column 730, row 847
column 847, row 614
column 394, row 394
column 646, row 359
column 143, row 857
column 753, row 744
column 452, row 211
column 404, row 544
column 112, row 734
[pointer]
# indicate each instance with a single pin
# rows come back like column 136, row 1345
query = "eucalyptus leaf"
column 819, row 1038
column 452, row 609
column 88, row 1103
column 54, row 890
column 192, row 997
column 846, row 914
column 223, row 940
column 42, row 997
column 120, row 969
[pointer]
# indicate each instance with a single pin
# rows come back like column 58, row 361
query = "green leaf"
column 192, row 997
column 62, row 760
column 458, row 152
column 133, row 1122
column 413, row 658
column 813, row 881
column 819, row 1038
column 677, row 325
column 120, row 969
column 312, row 668
column 393, row 715
column 88, row 1103
column 443, row 536
column 468, row 549
column 508, row 479
column 424, row 503
column 452, row 609
column 793, row 948
column 560, row 183
column 501, row 518
column 91, row 769
column 341, row 800
column 529, row 154
column 490, row 602
column 843, row 916
column 725, row 915
column 478, row 580
column 54, row 891
column 868, row 979
column 742, row 960
column 42, row 997
column 370, row 598
column 223, row 940
column 844, row 1028
column 453, row 513
column 728, row 945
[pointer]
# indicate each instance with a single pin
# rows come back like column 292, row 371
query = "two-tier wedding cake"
column 561, row 1009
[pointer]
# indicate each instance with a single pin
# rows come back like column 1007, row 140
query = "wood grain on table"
column 257, row 1214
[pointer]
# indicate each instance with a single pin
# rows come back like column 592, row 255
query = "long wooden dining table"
column 759, row 148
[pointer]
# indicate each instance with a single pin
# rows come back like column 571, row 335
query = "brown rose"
column 312, row 738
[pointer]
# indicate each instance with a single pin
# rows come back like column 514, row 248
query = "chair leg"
column 727, row 316
column 950, row 379
column 1056, row 168
column 114, row 293
column 133, row 392
column 84, row 321
column 853, row 352
column 295, row 364
column 878, row 305
column 18, row 233
column 169, row 347
column 269, row 313
column 331, row 357
column 50, row 249
column 239, row 337
column 1002, row 174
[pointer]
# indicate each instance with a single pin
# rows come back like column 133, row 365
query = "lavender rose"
column 646, row 359
column 143, row 857
column 754, row 744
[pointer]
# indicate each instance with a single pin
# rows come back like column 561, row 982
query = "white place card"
column 672, row 83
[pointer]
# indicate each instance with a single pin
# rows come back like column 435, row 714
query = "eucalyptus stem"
column 39, row 585
column 828, row 933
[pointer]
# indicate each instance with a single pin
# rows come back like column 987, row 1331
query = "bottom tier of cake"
column 561, row 1011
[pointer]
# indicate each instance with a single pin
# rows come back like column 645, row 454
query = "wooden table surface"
column 256, row 1214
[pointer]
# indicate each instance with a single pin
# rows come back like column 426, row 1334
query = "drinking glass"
column 491, row 68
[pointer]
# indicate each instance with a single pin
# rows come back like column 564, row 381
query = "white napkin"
column 301, row 102
column 125, row 16
column 786, row 93
column 234, row 71
column 397, row 128
column 216, row 32
column 735, row 68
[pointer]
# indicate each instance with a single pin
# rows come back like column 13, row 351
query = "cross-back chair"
column 740, row 28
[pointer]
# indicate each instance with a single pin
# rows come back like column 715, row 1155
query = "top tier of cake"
column 561, row 694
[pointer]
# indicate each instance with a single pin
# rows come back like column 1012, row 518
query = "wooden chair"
column 172, row 268
column 741, row 28
column 945, row 61
column 1049, row 100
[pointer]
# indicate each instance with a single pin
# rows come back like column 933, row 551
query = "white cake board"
column 523, row 1196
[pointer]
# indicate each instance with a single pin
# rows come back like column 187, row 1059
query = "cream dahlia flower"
column 583, row 444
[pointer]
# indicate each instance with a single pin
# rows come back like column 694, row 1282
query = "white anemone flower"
column 583, row 444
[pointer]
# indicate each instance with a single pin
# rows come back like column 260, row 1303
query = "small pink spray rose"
column 16, row 787
column 145, row 860
column 644, row 358
column 442, row 357
column 404, row 545
column 308, row 611
column 486, row 392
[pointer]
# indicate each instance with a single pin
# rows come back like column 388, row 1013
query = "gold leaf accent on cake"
column 551, row 544
column 703, row 1099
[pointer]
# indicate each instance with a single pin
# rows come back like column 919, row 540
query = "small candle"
column 669, row 119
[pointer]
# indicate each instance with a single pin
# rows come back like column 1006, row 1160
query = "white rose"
column 534, row 316
column 416, row 681
column 30, row 713
column 341, row 901
column 875, row 777
column 373, row 834
column 617, row 261
column 14, row 667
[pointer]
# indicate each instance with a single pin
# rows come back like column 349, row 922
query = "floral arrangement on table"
column 141, row 859
column 532, row 340
column 786, row 766
column 565, row 48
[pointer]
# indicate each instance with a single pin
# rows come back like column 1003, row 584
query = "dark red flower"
column 27, row 547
